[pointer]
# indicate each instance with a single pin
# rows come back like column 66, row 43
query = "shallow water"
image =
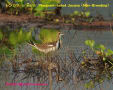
column 73, row 40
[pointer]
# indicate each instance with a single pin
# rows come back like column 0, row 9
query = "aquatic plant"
column 26, row 7
column 100, row 68
column 100, row 50
column 20, row 6
column 30, row 7
column 76, row 12
column 19, row 37
column 39, row 10
column 81, row 14
column 9, row 43
column 87, row 13
column 62, row 69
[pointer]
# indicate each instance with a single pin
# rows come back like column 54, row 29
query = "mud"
column 25, row 20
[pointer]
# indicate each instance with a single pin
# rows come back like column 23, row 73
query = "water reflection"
column 27, row 66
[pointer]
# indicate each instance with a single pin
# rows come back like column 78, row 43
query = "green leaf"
column 76, row 12
column 13, row 39
column 28, row 35
column 20, row 36
column 90, row 43
column 39, row 14
column 48, row 35
column 39, row 9
column 109, row 52
column 97, row 47
column 87, row 14
column 102, row 47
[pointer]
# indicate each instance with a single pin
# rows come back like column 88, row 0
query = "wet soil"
column 33, row 21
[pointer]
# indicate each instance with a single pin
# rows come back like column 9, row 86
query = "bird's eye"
column 58, row 32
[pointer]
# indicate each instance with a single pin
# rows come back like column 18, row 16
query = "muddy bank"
column 57, row 22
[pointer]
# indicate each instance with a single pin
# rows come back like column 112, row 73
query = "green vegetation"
column 102, row 66
column 99, row 70
column 40, row 10
column 87, row 14
column 100, row 50
column 19, row 37
column 48, row 35
column 9, row 43
column 80, row 13
column 82, row 16
column 22, row 6
column 5, row 50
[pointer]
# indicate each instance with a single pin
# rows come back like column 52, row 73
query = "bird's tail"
column 31, row 42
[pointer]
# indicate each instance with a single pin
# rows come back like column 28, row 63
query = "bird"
column 50, row 46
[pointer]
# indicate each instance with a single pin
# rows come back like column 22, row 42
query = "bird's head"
column 60, row 34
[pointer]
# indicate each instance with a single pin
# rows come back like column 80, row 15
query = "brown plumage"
column 48, row 47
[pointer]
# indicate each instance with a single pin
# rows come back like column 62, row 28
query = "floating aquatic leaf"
column 90, row 43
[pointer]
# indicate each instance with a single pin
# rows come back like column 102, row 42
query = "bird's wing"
column 51, row 45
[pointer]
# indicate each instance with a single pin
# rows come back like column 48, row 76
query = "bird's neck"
column 58, row 43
